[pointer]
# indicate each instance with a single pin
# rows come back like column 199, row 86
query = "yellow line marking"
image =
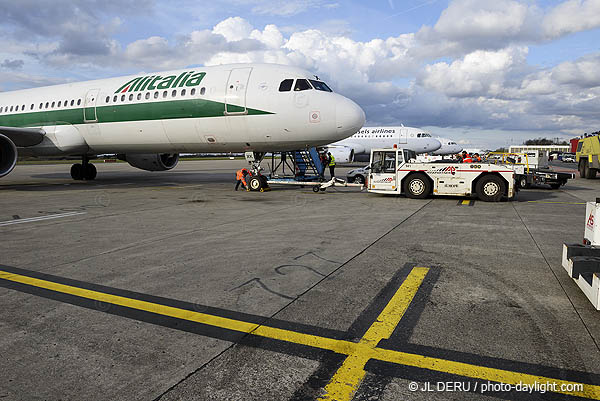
column 347, row 379
column 466, row 202
column 562, row 203
column 362, row 349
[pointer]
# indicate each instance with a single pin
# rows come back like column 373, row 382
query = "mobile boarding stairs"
column 300, row 168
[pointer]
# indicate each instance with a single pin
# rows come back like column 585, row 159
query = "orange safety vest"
column 467, row 159
column 239, row 175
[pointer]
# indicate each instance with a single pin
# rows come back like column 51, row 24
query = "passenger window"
column 147, row 95
column 122, row 98
column 23, row 108
column 131, row 97
column 286, row 85
column 193, row 92
column 302, row 85
column 41, row 106
column 52, row 105
column 165, row 94
column 59, row 103
column 139, row 96
column 107, row 99
column 174, row 93
column 156, row 95
column 202, row 91
column 11, row 108
column 320, row 86
column 78, row 102
column 115, row 97
column 183, row 92
column 72, row 102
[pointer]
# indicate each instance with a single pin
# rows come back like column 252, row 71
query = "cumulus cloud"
column 571, row 16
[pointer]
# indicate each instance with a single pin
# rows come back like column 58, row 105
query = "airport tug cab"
column 395, row 171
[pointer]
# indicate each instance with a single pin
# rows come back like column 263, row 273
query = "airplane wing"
column 23, row 137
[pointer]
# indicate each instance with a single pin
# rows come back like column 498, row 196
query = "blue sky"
column 483, row 73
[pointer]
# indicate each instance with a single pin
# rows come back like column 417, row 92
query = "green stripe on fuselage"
column 193, row 108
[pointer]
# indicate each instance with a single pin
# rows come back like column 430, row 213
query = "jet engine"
column 342, row 154
column 152, row 162
column 8, row 155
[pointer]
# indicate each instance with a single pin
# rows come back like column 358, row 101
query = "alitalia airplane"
column 149, row 119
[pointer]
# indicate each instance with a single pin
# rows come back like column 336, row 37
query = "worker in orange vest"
column 466, row 158
column 240, row 175
column 477, row 158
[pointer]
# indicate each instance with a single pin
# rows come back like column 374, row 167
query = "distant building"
column 548, row 148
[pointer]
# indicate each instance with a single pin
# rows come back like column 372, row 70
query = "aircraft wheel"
column 77, row 171
column 316, row 189
column 255, row 184
column 90, row 172
column 359, row 179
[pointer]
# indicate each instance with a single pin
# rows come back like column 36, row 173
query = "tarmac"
column 173, row 286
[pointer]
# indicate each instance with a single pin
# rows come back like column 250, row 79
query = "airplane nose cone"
column 434, row 145
column 349, row 117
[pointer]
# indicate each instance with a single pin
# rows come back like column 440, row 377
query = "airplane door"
column 402, row 136
column 235, row 93
column 89, row 106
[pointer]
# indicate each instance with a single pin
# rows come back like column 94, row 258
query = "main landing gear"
column 84, row 170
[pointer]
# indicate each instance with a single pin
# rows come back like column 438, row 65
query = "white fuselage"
column 449, row 147
column 415, row 139
column 237, row 107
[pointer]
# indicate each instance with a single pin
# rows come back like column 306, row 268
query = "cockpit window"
column 302, row 85
column 320, row 86
column 286, row 85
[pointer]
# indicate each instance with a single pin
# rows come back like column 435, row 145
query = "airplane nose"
column 349, row 117
column 434, row 145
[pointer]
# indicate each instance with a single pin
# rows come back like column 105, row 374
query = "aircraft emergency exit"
column 359, row 145
column 149, row 119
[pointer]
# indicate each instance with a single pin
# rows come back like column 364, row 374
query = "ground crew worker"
column 331, row 163
column 466, row 158
column 477, row 158
column 324, row 161
column 241, row 178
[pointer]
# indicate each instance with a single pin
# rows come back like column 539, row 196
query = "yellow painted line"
column 346, row 381
column 356, row 352
column 561, row 203
column 466, row 202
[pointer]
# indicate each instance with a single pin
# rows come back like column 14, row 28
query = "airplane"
column 449, row 147
column 359, row 145
column 148, row 119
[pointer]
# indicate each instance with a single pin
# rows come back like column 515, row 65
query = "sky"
column 485, row 73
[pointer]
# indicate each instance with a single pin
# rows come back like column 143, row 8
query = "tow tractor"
column 395, row 171
column 299, row 168
column 531, row 168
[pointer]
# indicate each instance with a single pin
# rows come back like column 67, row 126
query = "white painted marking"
column 41, row 218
